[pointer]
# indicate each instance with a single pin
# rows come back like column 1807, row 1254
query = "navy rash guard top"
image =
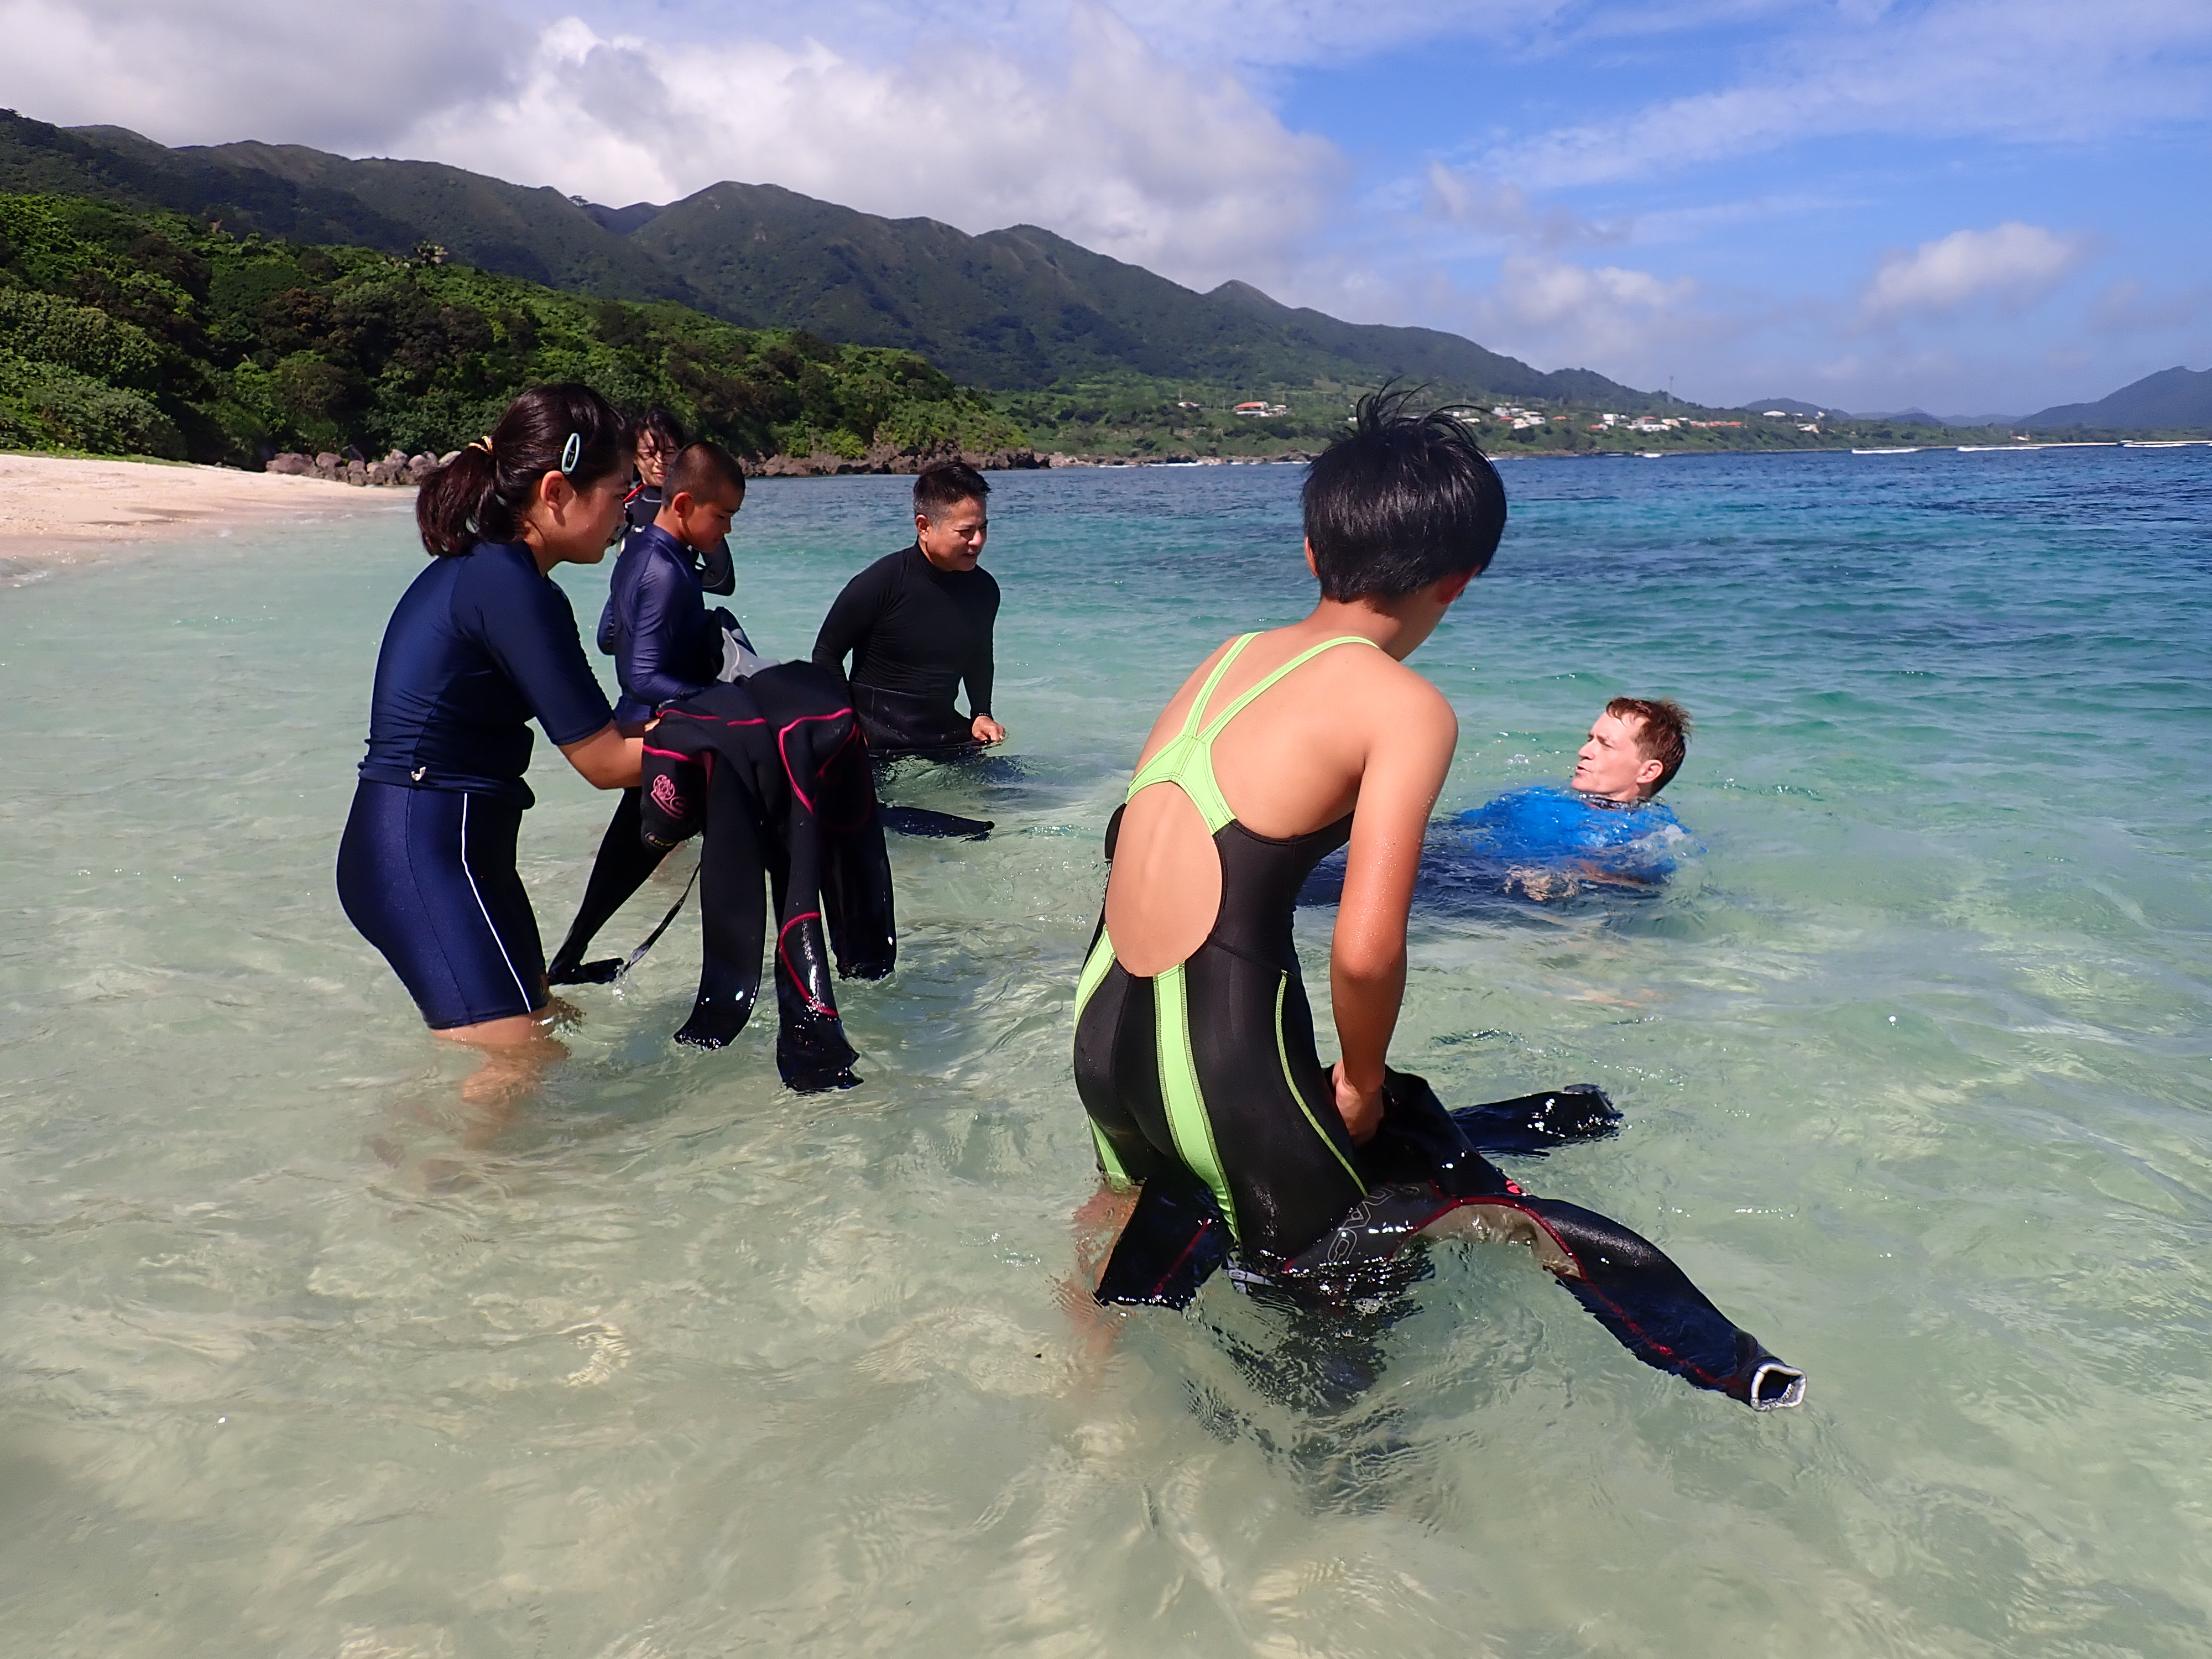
column 665, row 644
column 480, row 644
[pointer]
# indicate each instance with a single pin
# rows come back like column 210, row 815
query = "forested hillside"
column 1017, row 309
column 154, row 333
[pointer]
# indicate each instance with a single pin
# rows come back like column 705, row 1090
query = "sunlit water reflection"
column 1913, row 1058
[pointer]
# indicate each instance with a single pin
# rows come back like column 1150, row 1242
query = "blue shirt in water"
column 480, row 644
column 1548, row 823
column 664, row 643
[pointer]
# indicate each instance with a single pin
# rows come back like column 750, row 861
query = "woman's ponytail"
column 484, row 492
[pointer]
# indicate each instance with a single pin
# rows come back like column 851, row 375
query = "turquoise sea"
column 297, row 1358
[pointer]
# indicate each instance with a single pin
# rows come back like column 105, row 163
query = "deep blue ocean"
column 300, row 1356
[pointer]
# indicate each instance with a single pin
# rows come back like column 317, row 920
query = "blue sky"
column 1965, row 205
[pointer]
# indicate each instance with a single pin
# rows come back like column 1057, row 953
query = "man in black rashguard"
column 917, row 624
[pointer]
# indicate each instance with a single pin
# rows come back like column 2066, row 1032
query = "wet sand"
column 62, row 509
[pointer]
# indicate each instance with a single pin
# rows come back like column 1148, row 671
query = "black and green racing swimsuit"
column 1211, row 1063
column 1205, row 1075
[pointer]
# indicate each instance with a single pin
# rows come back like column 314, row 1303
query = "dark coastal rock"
column 293, row 464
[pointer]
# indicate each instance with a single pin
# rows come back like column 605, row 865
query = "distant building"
column 1775, row 414
column 1254, row 408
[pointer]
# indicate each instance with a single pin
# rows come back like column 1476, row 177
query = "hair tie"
column 483, row 443
column 571, row 453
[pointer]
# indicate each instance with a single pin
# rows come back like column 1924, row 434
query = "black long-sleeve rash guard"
column 916, row 633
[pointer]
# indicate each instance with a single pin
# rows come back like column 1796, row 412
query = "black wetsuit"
column 915, row 632
column 774, row 770
column 1202, row 1084
column 480, row 644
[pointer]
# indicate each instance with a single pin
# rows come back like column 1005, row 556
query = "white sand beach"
column 59, row 509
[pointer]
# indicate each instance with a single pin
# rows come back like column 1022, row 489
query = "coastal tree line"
column 155, row 334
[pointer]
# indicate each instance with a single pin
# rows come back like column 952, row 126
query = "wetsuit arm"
column 1398, row 788
column 718, row 570
column 846, row 628
column 981, row 666
column 650, row 661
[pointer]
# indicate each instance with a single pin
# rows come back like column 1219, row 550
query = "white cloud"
column 2012, row 262
column 1094, row 135
column 212, row 70
column 1632, row 324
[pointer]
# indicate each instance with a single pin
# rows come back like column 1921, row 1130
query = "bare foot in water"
column 1097, row 1226
column 516, row 1053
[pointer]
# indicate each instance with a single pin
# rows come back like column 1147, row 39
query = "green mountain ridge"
column 1017, row 309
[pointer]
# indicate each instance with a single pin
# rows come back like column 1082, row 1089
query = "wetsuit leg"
column 856, row 871
column 428, row 877
column 624, row 862
column 1624, row 1279
column 732, row 914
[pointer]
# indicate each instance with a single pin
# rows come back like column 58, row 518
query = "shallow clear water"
column 297, row 1358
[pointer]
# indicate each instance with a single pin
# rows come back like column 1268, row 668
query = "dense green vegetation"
column 154, row 333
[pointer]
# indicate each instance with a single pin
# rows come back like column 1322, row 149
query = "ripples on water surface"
column 1913, row 1061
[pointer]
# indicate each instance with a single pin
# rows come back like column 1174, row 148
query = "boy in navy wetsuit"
column 665, row 642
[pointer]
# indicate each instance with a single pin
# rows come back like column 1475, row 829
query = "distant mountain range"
column 1019, row 309
column 2173, row 399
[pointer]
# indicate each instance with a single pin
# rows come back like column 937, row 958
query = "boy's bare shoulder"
column 1404, row 691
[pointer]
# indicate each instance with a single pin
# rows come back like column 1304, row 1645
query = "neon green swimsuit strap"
column 1187, row 761
column 1179, row 758
column 1213, row 726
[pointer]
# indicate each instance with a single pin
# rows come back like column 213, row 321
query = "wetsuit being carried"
column 917, row 624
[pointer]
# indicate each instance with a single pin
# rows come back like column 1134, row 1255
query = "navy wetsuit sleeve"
column 845, row 627
column 649, row 658
column 980, row 668
column 717, row 571
column 525, row 624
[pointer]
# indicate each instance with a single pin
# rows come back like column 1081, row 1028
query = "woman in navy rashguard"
column 483, row 642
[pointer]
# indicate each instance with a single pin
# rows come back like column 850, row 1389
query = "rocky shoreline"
column 400, row 468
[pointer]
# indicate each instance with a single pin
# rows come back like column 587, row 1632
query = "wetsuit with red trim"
column 774, row 770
